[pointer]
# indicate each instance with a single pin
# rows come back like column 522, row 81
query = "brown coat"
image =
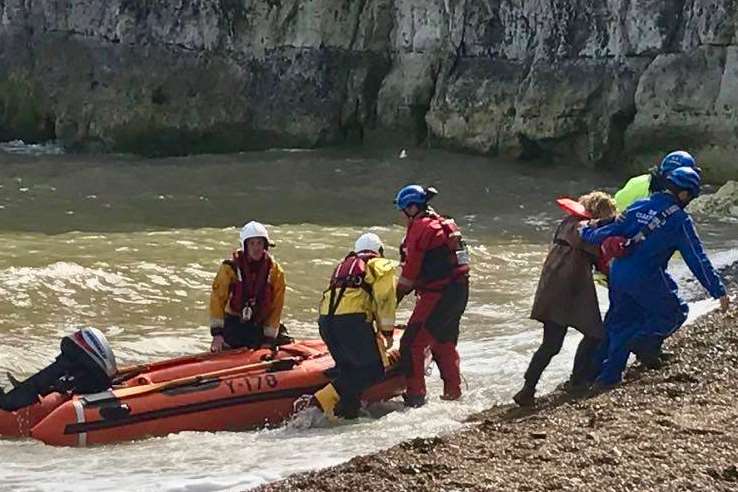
column 566, row 293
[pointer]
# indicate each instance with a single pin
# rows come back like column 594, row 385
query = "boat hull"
column 233, row 391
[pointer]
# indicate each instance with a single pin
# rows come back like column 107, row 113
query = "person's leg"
column 415, row 394
column 584, row 370
column 623, row 320
column 329, row 397
column 444, row 325
column 351, row 341
column 365, row 367
column 448, row 361
column 413, row 344
column 664, row 313
column 553, row 339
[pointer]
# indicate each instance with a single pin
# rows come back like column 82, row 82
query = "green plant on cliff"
column 22, row 114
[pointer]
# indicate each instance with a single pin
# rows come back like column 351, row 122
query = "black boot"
column 347, row 410
column 526, row 396
column 650, row 360
column 413, row 401
column 573, row 387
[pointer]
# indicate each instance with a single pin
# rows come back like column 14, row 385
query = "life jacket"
column 250, row 294
column 448, row 260
column 573, row 208
column 349, row 274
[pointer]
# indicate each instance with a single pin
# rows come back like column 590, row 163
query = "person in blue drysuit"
column 644, row 305
column 642, row 186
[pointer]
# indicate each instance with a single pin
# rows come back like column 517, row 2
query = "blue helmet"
column 685, row 178
column 675, row 160
column 411, row 195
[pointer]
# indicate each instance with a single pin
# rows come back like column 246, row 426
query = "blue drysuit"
column 644, row 305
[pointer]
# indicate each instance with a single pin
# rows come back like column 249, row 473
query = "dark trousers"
column 584, row 370
column 353, row 345
column 237, row 334
column 72, row 371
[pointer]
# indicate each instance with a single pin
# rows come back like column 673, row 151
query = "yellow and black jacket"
column 223, row 290
column 376, row 299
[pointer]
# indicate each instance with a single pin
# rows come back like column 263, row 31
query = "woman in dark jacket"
column 566, row 297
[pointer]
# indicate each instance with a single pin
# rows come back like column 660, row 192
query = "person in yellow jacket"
column 640, row 187
column 247, row 296
column 357, row 318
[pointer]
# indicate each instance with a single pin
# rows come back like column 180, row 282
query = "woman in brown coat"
column 566, row 297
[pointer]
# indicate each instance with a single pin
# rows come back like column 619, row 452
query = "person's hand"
column 724, row 303
column 218, row 344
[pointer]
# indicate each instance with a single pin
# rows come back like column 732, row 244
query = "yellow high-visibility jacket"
column 220, row 297
column 635, row 189
column 379, row 306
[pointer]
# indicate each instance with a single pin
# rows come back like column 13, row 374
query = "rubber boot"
column 451, row 394
column 347, row 409
column 413, row 401
column 648, row 353
column 327, row 399
column 526, row 396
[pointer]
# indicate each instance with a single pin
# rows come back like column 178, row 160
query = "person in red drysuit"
column 435, row 264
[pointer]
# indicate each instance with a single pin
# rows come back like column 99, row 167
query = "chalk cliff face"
column 587, row 81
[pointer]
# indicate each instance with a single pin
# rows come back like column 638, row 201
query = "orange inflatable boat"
column 234, row 390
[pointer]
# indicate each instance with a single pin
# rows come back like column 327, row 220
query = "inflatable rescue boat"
column 228, row 391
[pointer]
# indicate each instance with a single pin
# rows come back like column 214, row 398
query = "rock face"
column 723, row 203
column 587, row 81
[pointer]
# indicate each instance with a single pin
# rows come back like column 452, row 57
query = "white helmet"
column 369, row 242
column 94, row 343
column 255, row 229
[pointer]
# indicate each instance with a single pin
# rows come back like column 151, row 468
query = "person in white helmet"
column 357, row 318
column 247, row 295
column 86, row 365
